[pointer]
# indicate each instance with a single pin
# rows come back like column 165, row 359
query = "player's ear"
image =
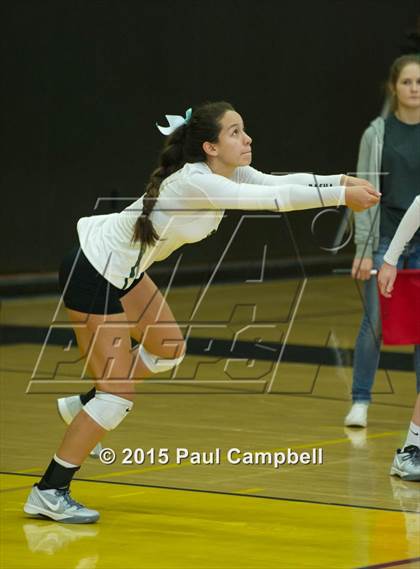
column 210, row 149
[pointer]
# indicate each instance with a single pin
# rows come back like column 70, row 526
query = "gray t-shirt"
column 401, row 182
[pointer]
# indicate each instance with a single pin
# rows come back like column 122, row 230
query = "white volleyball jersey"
column 190, row 206
column 406, row 229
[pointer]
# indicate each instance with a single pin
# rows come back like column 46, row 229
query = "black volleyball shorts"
column 86, row 290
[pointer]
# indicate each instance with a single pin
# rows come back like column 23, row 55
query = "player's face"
column 234, row 145
column 407, row 87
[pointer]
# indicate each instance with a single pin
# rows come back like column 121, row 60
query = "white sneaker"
column 68, row 408
column 406, row 463
column 58, row 505
column 357, row 416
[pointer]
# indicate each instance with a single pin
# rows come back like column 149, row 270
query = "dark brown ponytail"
column 184, row 145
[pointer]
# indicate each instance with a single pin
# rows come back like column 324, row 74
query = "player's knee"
column 157, row 364
column 108, row 410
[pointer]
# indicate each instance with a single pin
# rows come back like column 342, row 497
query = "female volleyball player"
column 203, row 170
column 390, row 146
column 407, row 460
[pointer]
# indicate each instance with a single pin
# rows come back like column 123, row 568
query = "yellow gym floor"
column 344, row 513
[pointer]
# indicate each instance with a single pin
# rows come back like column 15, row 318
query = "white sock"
column 413, row 435
column 64, row 463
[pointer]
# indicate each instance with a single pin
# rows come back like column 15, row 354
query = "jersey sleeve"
column 406, row 229
column 249, row 175
column 217, row 192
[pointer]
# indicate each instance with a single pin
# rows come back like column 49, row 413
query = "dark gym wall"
column 87, row 80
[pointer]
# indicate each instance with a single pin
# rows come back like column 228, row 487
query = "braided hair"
column 184, row 145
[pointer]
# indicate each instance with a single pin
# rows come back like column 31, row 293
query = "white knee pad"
column 156, row 364
column 108, row 410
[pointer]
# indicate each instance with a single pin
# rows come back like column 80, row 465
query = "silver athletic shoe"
column 406, row 463
column 68, row 408
column 58, row 505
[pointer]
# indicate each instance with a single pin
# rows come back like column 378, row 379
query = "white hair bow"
column 175, row 121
